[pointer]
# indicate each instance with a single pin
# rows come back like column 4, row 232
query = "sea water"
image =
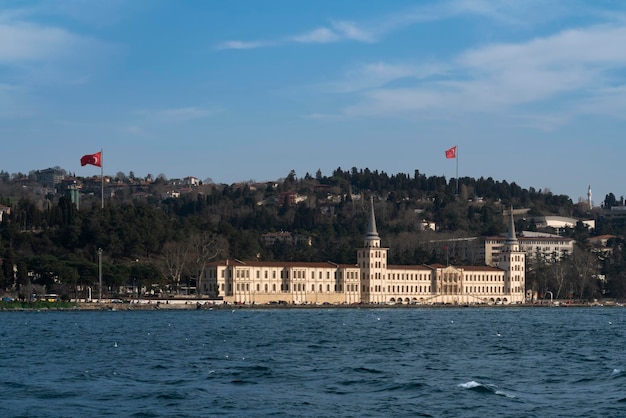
column 440, row 362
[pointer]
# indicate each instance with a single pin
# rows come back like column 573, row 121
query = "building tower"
column 589, row 203
column 372, row 260
column 513, row 262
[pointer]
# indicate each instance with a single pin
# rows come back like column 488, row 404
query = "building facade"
column 370, row 280
column 49, row 177
column 551, row 248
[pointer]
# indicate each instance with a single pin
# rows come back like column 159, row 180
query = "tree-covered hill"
column 150, row 239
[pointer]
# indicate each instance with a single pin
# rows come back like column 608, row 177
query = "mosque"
column 371, row 280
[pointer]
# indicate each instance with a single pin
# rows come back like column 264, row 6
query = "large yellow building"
column 371, row 280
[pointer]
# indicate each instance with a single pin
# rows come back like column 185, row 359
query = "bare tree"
column 558, row 269
column 175, row 260
column 205, row 246
column 190, row 256
column 583, row 271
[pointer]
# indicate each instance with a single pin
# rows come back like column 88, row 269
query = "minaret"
column 513, row 262
column 511, row 242
column 371, row 237
column 589, row 198
column 372, row 261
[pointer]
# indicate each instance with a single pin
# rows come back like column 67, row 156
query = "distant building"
column 270, row 238
column 424, row 225
column 560, row 222
column 73, row 193
column 599, row 245
column 290, row 198
column 4, row 209
column 171, row 194
column 550, row 247
column 191, row 181
column 49, row 177
column 601, row 240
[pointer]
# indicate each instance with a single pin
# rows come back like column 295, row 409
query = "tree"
column 610, row 201
column 583, row 271
column 205, row 246
column 175, row 259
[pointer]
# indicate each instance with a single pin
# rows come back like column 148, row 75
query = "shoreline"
column 209, row 306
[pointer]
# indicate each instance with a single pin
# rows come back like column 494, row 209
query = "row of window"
column 483, row 289
column 376, row 264
column 297, row 287
column 483, row 278
column 284, row 274
column 445, row 289
column 376, row 254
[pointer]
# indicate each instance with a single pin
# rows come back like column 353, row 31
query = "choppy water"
column 542, row 362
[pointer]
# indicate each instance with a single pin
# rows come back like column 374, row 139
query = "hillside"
column 158, row 233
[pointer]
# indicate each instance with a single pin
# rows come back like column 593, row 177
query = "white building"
column 371, row 280
column 550, row 247
column 561, row 222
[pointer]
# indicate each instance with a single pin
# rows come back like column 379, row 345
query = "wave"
column 484, row 388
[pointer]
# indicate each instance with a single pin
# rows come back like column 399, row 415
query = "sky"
column 531, row 92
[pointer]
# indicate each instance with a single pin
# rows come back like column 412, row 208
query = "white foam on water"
column 470, row 385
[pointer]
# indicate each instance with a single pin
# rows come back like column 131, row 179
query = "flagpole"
column 101, row 180
column 457, row 169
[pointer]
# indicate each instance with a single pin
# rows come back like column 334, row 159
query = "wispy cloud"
column 379, row 74
column 337, row 31
column 244, row 45
column 34, row 54
column 27, row 42
column 568, row 73
column 134, row 130
column 318, row 36
column 372, row 30
column 180, row 114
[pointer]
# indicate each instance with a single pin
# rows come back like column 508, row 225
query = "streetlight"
column 100, row 274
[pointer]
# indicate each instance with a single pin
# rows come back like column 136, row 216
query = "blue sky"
column 531, row 91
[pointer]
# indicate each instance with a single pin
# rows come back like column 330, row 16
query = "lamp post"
column 100, row 274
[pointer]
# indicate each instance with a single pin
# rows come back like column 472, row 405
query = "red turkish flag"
column 93, row 159
column 451, row 153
